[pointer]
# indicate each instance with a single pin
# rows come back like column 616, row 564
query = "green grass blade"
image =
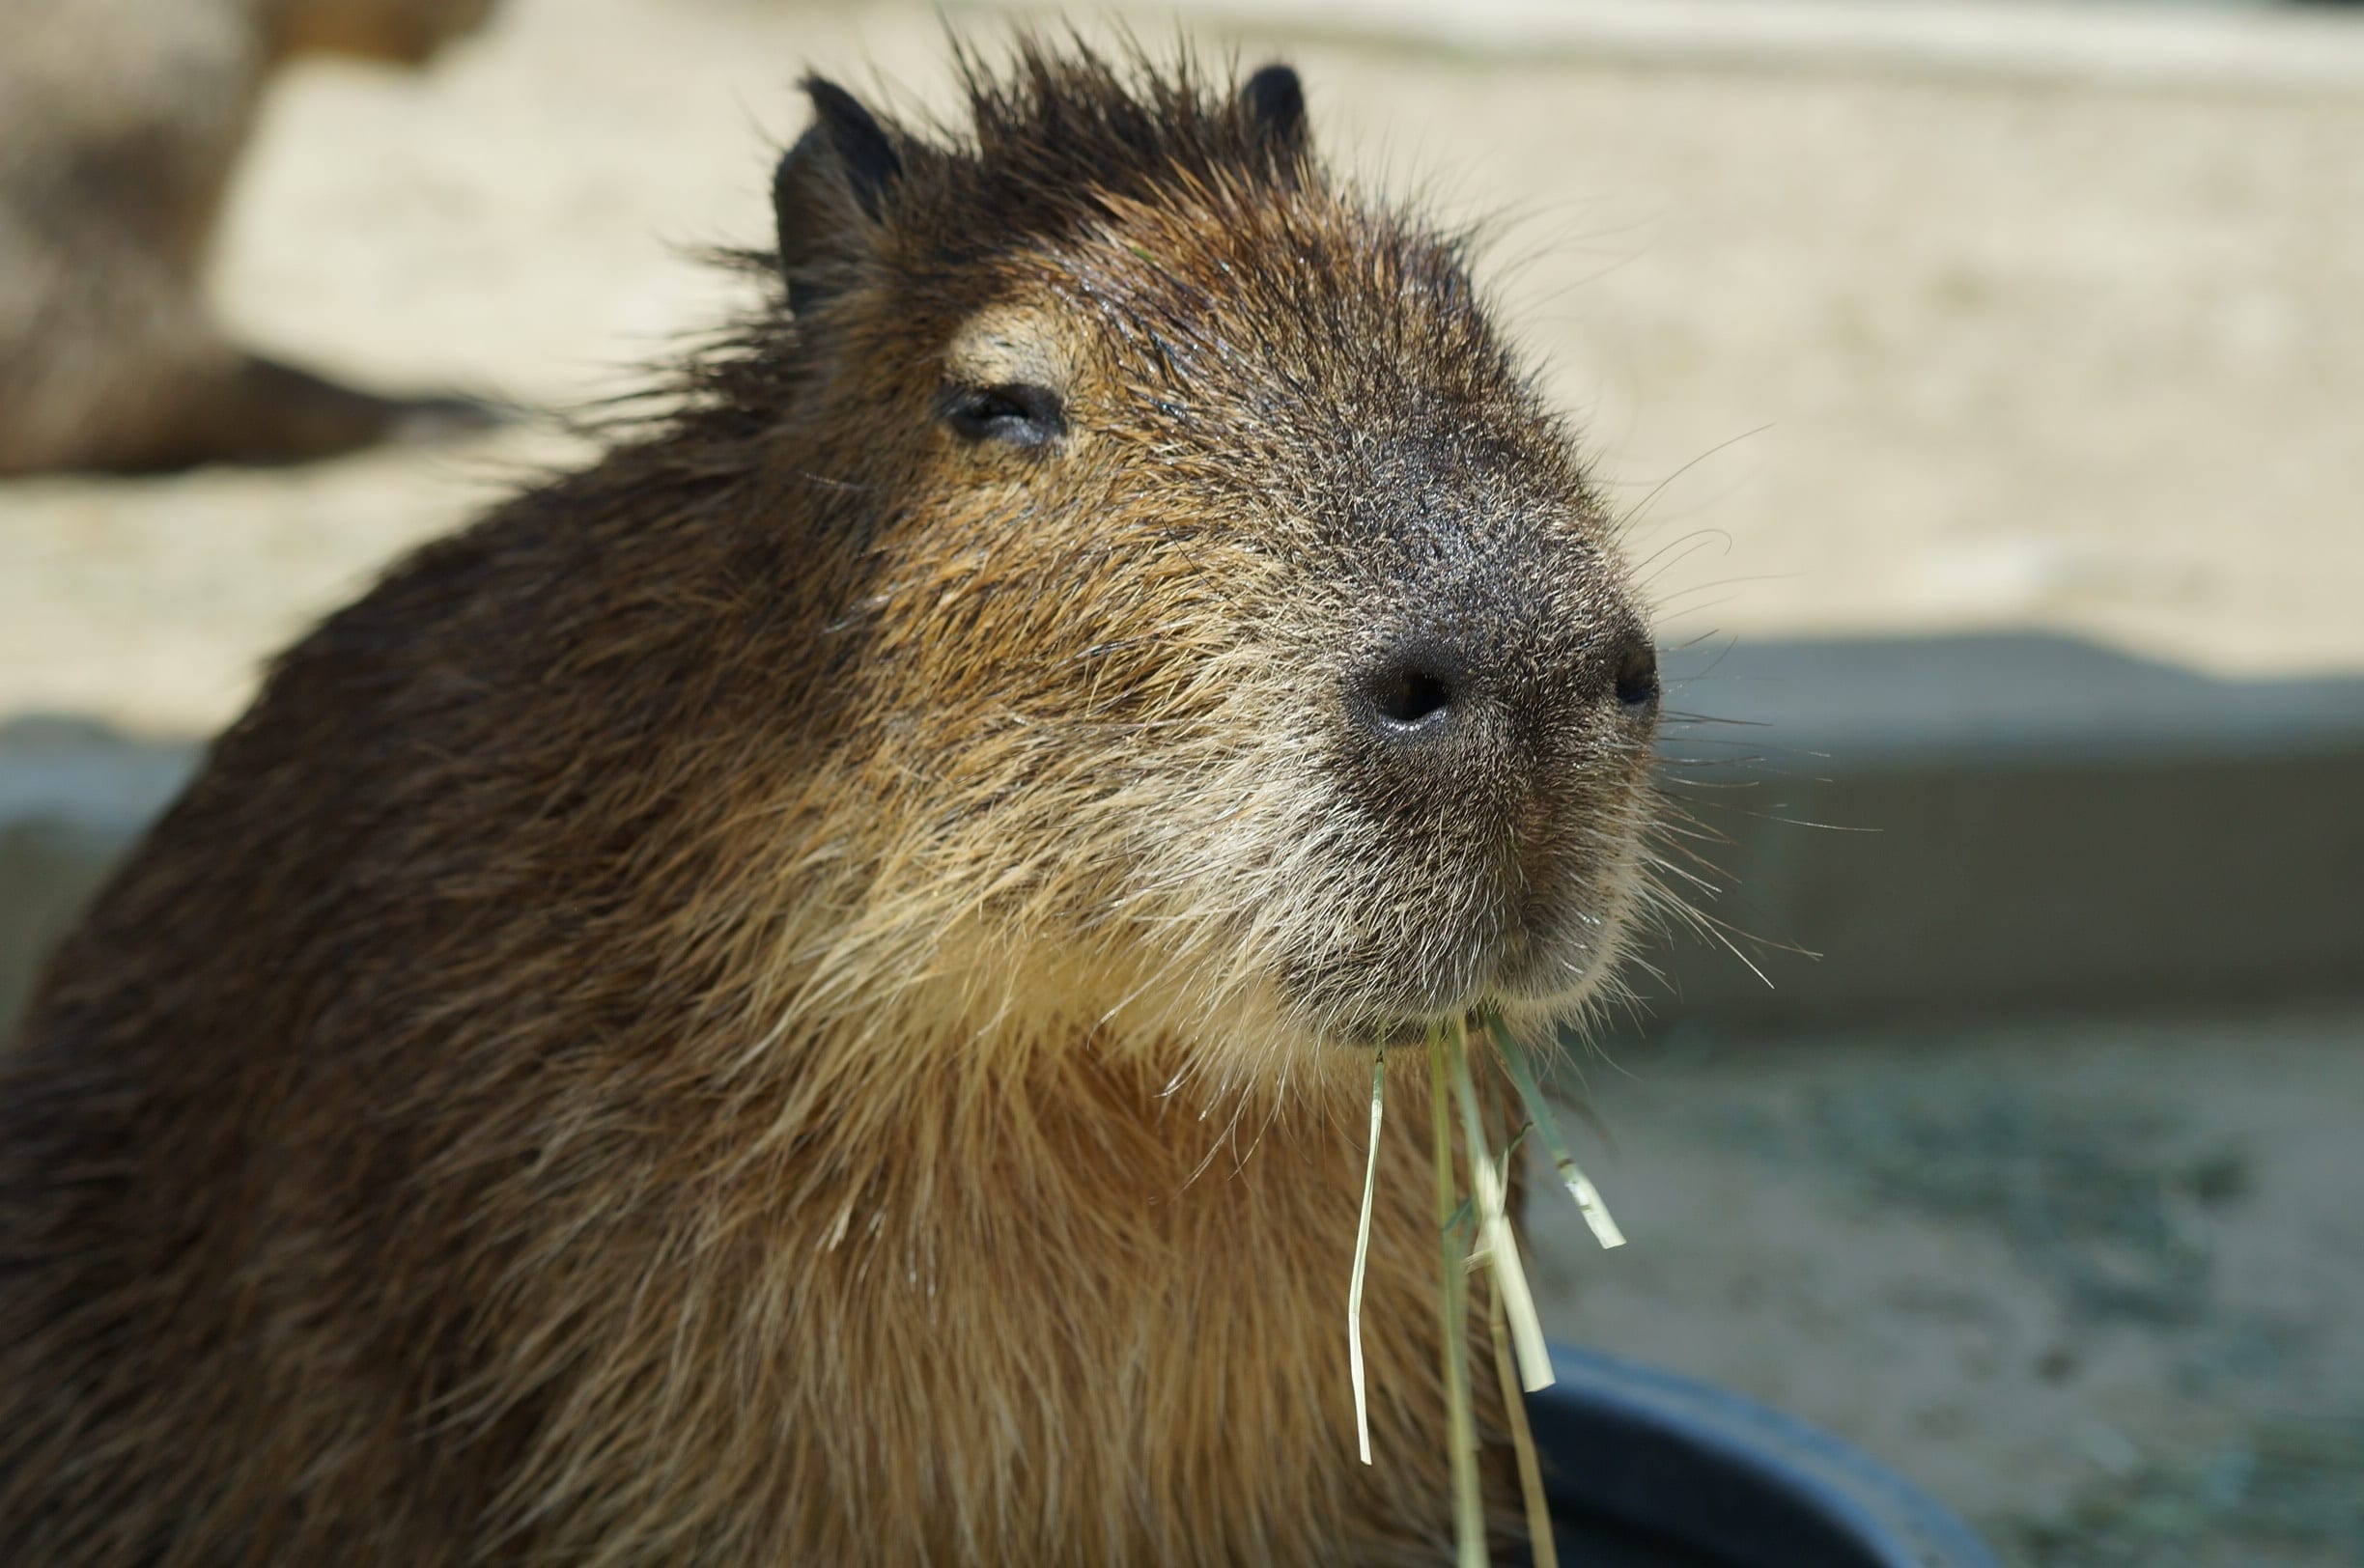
column 1547, row 1126
column 1462, row 1427
column 1361, row 1259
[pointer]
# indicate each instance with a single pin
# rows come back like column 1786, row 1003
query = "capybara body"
column 120, row 124
column 806, row 994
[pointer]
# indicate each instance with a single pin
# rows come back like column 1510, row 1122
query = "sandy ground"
column 1917, row 354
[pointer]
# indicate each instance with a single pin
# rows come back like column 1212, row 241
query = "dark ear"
column 1274, row 101
column 830, row 184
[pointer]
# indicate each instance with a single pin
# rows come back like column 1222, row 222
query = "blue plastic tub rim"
column 1725, row 1478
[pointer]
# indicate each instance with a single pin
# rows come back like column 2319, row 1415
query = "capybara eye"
column 1015, row 413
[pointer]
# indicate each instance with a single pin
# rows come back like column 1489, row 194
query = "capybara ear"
column 1274, row 101
column 829, row 188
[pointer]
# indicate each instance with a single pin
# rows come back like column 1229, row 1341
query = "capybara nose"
column 1477, row 711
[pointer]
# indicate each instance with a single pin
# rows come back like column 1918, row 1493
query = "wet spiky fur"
column 774, row 1001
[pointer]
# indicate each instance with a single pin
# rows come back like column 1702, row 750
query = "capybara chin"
column 120, row 124
column 806, row 995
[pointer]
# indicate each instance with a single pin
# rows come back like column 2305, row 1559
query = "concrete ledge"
column 73, row 797
column 2013, row 821
column 2010, row 821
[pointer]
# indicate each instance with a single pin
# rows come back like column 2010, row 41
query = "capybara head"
column 1251, row 648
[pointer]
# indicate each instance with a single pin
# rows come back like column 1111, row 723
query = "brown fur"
column 120, row 124
column 784, row 999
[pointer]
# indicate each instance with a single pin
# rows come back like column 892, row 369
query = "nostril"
column 1408, row 690
column 1408, row 696
column 1637, row 674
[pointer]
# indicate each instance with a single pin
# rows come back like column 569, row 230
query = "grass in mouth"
column 1538, row 1116
column 1472, row 1231
column 1354, row 1292
column 1462, row 1427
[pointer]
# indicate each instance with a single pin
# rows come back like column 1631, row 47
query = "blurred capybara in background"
column 120, row 124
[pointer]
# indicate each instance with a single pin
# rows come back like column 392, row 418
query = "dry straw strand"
column 1361, row 1258
column 1542, row 1547
column 1498, row 1243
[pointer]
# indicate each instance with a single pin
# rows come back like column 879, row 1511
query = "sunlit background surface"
column 1984, row 388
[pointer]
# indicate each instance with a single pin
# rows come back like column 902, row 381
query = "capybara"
column 807, row 993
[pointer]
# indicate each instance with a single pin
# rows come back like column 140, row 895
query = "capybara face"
column 404, row 32
column 1277, row 662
